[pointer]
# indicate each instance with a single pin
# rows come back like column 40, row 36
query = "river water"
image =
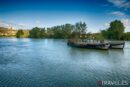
column 51, row 63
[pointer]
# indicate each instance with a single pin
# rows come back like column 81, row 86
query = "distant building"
column 7, row 31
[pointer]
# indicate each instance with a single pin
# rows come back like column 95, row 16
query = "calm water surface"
column 51, row 63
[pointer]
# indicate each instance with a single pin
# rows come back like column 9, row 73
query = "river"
column 51, row 63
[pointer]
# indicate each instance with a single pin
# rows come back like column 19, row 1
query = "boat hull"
column 117, row 45
column 103, row 46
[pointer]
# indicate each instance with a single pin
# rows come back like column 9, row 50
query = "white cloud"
column 126, row 23
column 21, row 24
column 120, row 3
column 38, row 22
column 2, row 24
column 118, row 13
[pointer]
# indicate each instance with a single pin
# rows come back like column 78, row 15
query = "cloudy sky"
column 46, row 13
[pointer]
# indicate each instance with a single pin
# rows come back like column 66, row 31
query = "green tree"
column 126, row 36
column 20, row 33
column 35, row 33
column 67, row 30
column 115, row 31
column 49, row 33
column 43, row 33
column 60, row 31
column 57, row 32
column 80, row 28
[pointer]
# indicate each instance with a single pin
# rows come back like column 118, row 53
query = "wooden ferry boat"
column 89, row 45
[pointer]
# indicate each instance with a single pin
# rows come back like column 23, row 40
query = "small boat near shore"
column 89, row 45
column 117, row 44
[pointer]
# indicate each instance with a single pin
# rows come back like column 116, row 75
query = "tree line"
column 79, row 30
column 60, row 31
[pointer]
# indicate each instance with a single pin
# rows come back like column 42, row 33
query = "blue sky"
column 47, row 13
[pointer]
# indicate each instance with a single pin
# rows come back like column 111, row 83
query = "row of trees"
column 114, row 32
column 22, row 33
column 37, row 33
column 61, row 31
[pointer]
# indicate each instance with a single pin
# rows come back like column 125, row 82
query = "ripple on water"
column 51, row 63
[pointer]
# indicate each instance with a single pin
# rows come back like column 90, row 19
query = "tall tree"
column 115, row 31
column 20, row 33
column 35, row 33
column 80, row 28
column 43, row 33
column 67, row 30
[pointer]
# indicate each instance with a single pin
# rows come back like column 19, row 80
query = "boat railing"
column 86, row 41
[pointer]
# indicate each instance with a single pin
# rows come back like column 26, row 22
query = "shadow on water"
column 119, row 51
column 74, row 51
column 108, row 58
